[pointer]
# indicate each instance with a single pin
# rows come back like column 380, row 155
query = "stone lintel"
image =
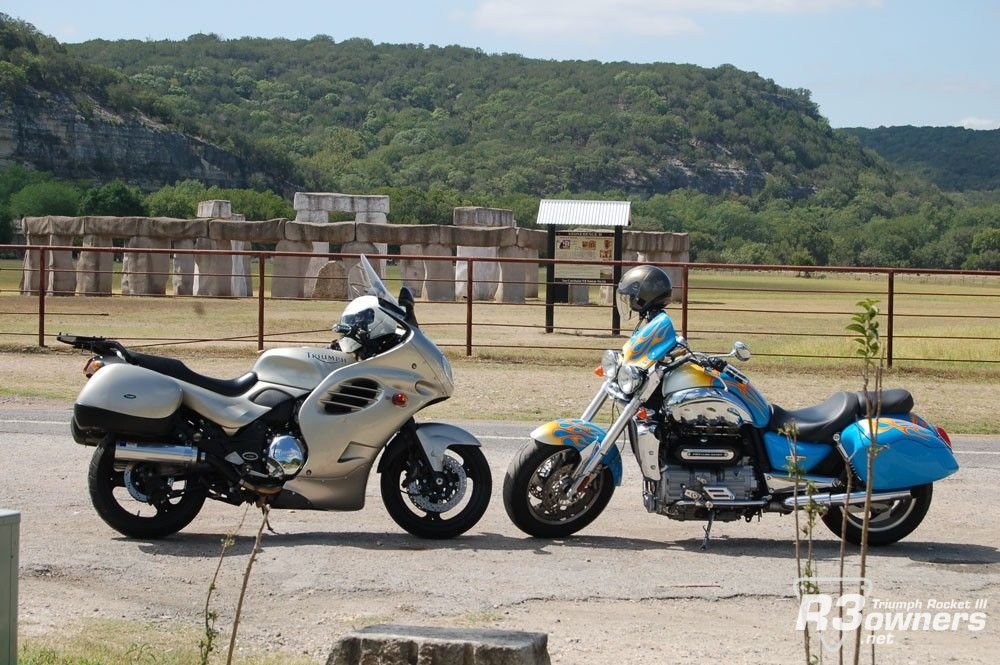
column 268, row 231
column 333, row 202
column 479, row 216
column 336, row 234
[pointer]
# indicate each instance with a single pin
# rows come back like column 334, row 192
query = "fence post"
column 43, row 283
column 10, row 522
column 684, row 302
column 468, row 306
column 889, row 318
column 260, row 302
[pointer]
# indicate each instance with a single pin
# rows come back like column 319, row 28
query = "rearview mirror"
column 741, row 351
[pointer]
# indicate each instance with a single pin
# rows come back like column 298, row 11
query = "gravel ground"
column 632, row 588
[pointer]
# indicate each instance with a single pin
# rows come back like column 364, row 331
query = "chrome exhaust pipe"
column 156, row 453
column 854, row 498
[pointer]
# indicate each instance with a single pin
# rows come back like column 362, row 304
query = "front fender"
column 434, row 439
column 579, row 434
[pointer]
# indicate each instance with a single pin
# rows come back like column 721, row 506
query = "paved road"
column 633, row 588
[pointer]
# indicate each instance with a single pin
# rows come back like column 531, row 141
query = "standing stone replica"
column 486, row 274
column 315, row 208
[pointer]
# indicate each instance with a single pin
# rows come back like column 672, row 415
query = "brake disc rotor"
column 427, row 495
column 133, row 483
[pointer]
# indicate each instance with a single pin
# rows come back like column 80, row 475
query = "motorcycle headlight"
column 629, row 378
column 609, row 363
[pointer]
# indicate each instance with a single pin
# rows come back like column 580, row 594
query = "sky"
column 868, row 63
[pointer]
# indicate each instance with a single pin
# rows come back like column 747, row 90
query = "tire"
column 437, row 505
column 886, row 526
column 530, row 492
column 150, row 519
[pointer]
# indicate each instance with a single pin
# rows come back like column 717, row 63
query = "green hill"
column 953, row 158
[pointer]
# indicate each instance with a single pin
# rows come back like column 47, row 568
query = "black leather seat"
column 819, row 423
column 895, row 400
column 178, row 370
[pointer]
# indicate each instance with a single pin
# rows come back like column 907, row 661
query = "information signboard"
column 585, row 245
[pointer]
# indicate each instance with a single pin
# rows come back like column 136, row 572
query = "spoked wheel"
column 890, row 521
column 441, row 504
column 141, row 500
column 534, row 492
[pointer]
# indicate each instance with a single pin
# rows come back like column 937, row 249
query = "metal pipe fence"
column 796, row 311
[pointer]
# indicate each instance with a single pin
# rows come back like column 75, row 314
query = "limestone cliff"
column 72, row 140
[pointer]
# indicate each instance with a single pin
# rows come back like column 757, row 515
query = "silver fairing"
column 352, row 414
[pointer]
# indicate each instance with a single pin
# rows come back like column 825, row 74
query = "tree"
column 45, row 198
column 115, row 199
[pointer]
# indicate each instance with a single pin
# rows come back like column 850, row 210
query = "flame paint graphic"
column 575, row 434
column 645, row 339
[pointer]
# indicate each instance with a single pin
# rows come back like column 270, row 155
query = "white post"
column 10, row 523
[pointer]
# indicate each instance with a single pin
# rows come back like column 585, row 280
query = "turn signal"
column 599, row 371
column 92, row 366
column 399, row 399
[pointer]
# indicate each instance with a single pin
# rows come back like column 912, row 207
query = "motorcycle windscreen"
column 651, row 342
column 907, row 453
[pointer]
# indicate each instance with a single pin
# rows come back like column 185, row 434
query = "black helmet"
column 643, row 289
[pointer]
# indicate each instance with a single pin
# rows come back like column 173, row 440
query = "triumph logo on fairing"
column 326, row 358
column 833, row 617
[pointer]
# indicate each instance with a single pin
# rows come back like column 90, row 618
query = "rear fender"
column 909, row 452
column 434, row 439
column 578, row 434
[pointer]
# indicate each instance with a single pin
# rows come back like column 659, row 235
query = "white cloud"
column 972, row 122
column 643, row 18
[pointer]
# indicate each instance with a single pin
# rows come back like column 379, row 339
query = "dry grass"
column 519, row 372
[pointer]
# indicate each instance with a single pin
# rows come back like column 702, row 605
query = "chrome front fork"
column 592, row 455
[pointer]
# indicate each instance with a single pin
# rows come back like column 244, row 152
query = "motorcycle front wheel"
column 888, row 522
column 438, row 505
column 534, row 492
column 139, row 500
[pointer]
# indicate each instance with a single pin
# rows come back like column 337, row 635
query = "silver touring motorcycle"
column 302, row 429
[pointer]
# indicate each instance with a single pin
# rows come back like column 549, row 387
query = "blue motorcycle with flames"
column 711, row 447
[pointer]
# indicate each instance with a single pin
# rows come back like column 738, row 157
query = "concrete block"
column 531, row 239
column 467, row 236
column 478, row 216
column 111, row 227
column 212, row 272
column 31, row 272
column 331, row 282
column 485, row 274
column 427, row 645
column 54, row 225
column 315, row 264
column 216, row 209
column 268, row 231
column 312, row 216
column 439, row 274
column 145, row 274
column 413, row 270
column 334, row 202
column 335, row 234
column 94, row 269
column 288, row 272
column 62, row 270
column 240, row 284
column 182, row 268
column 411, row 234
column 579, row 294
column 172, row 229
column 512, row 276
column 369, row 250
column 377, row 233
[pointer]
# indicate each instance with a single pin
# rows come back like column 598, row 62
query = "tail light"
column 94, row 364
column 944, row 436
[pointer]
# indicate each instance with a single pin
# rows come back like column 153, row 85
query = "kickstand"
column 708, row 530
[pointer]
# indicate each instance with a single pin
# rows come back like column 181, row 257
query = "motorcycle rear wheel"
column 112, row 495
column 889, row 522
column 438, row 505
column 532, row 492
